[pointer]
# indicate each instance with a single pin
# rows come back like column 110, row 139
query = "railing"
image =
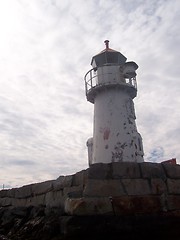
column 91, row 79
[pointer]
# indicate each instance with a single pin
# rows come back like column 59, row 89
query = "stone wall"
column 106, row 189
column 49, row 194
column 107, row 200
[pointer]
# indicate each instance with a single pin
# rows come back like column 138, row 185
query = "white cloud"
column 46, row 48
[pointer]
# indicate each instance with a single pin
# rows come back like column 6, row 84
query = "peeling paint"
column 131, row 144
column 106, row 134
column 130, row 122
column 117, row 155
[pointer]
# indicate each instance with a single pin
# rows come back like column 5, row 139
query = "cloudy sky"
column 46, row 48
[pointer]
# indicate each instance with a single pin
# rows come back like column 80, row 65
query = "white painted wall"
column 115, row 136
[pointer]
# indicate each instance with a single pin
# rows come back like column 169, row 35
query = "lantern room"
column 108, row 57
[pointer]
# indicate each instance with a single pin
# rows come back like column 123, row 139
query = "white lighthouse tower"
column 111, row 87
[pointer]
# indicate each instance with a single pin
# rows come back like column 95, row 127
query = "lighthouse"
column 111, row 86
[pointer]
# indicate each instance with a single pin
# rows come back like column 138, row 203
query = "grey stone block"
column 11, row 192
column 136, row 186
column 62, row 181
column 103, row 188
column 125, row 170
column 58, row 183
column 41, row 188
column 158, row 186
column 5, row 202
column 173, row 202
column 4, row 193
column 23, row 192
column 137, row 205
column 19, row 212
column 172, row 170
column 173, row 186
column 88, row 206
column 119, row 206
column 68, row 181
column 74, row 191
column 38, row 200
column 152, row 170
column 54, row 199
column 21, row 202
column 80, row 178
column 99, row 171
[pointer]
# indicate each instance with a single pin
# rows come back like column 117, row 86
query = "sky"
column 46, row 47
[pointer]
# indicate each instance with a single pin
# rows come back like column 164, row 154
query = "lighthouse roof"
column 108, row 56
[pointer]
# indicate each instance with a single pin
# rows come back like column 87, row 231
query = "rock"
column 58, row 183
column 5, row 202
column 88, row 206
column 112, row 200
column 136, row 186
column 158, row 186
column 80, row 178
column 62, row 182
column 19, row 212
column 23, row 192
column 125, row 170
column 103, row 188
column 173, row 202
column 54, row 199
column 152, row 170
column 38, row 200
column 99, row 171
column 3, row 193
column 74, row 191
column 42, row 188
column 137, row 205
column 172, row 170
column 173, row 186
column 2, row 237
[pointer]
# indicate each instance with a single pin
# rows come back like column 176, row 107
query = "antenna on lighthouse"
column 112, row 88
column 106, row 44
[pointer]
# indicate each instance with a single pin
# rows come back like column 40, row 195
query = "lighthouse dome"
column 108, row 57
